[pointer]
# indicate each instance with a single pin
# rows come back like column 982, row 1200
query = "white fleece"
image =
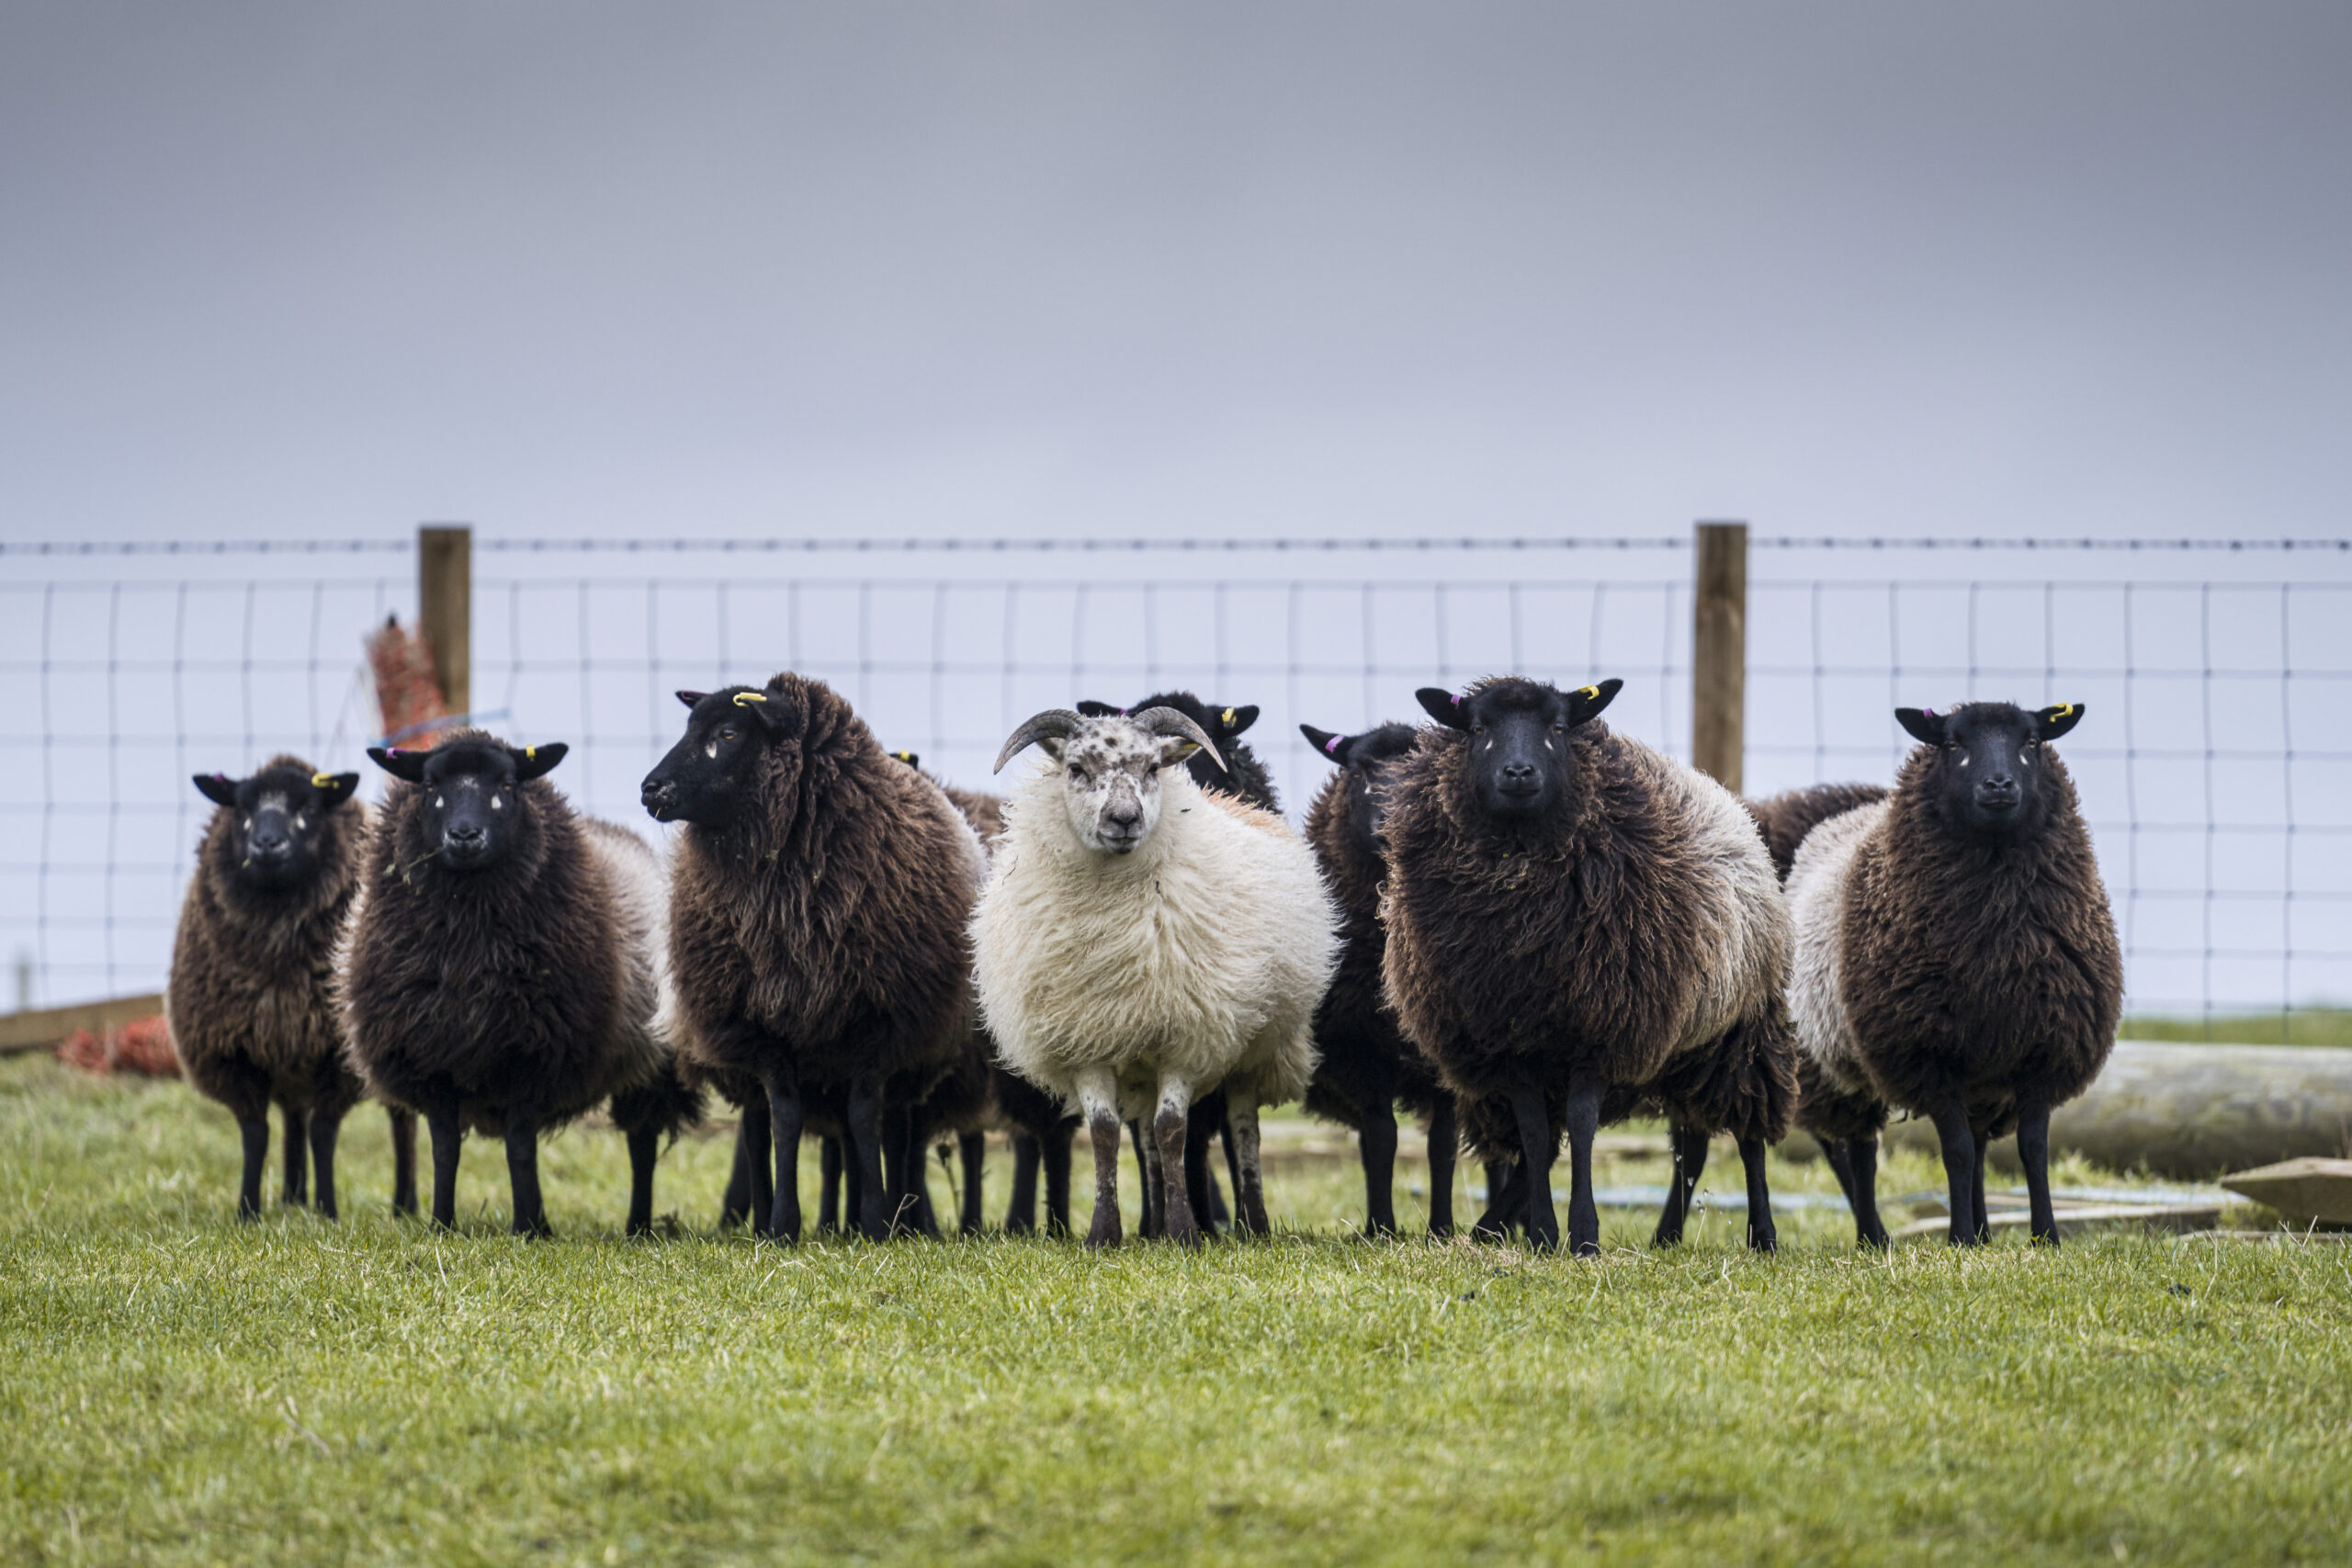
column 1817, row 904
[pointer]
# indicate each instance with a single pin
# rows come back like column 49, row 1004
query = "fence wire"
column 2214, row 764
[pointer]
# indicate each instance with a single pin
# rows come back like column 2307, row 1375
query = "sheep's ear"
column 333, row 789
column 1586, row 702
column 1923, row 724
column 691, row 699
column 1093, row 709
column 537, row 762
column 409, row 765
column 776, row 712
column 1335, row 747
column 1440, row 704
column 1232, row 721
column 2053, row 722
column 218, row 788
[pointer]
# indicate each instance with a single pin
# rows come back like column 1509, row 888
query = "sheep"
column 504, row 971
column 1846, row 1126
column 1141, row 941
column 1583, row 928
column 249, row 1005
column 818, row 900
column 1366, row 1069
column 1956, row 956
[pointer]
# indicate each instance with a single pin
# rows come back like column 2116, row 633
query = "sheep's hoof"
column 1103, row 1233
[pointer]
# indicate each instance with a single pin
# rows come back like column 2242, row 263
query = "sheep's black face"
column 1989, row 769
column 1518, row 754
column 712, row 773
column 470, row 804
column 278, row 819
column 1364, row 759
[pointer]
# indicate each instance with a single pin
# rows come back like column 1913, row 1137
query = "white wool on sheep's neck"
column 1817, row 882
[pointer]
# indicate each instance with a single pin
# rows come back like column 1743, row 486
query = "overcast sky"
column 307, row 269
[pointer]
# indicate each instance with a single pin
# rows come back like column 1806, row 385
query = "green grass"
column 175, row 1387
column 2301, row 1026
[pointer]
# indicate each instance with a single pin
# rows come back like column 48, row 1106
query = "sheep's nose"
column 1125, row 814
column 268, row 843
column 469, row 833
column 653, row 791
column 1518, row 773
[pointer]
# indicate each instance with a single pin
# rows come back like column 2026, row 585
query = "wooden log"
column 2304, row 1191
column 1719, row 654
column 39, row 1029
column 445, row 608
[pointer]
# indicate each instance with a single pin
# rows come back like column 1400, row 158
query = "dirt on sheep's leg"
column 736, row 1206
column 758, row 1147
column 2033, row 1152
column 324, row 1130
column 403, row 1162
column 784, row 1132
column 1167, row 1128
column 298, row 1153
column 1869, row 1229
column 828, row 1186
column 1689, row 1148
column 644, row 1148
column 1444, row 1138
column 1376, row 1145
column 1762, row 1235
column 442, row 1123
column 1976, row 1185
column 865, row 1148
column 1098, row 1097
column 1250, row 1191
column 1960, row 1170
column 254, row 1129
column 522, row 1175
column 1020, row 1214
column 973, row 1149
column 1056, row 1153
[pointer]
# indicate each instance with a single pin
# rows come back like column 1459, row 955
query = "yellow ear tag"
column 322, row 780
column 530, row 753
column 2062, row 710
column 743, row 697
column 1591, row 691
column 904, row 756
column 1227, row 717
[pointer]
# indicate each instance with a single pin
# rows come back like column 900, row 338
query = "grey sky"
column 297, row 269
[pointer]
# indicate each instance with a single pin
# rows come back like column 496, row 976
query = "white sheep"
column 1141, row 941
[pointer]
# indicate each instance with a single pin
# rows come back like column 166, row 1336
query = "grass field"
column 175, row 1388
column 2302, row 1026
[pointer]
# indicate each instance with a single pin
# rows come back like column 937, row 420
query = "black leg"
column 1103, row 1127
column 445, row 1132
column 1977, row 1186
column 1690, row 1146
column 973, row 1149
column 1838, row 1155
column 1055, row 1152
column 1199, row 1182
column 865, row 1148
column 759, row 1153
column 1762, row 1235
column 403, row 1162
column 1443, row 1135
column 324, row 1130
column 1153, row 1222
column 1960, row 1170
column 522, row 1174
column 2033, row 1150
column 828, row 1185
column 1869, row 1229
column 644, row 1148
column 1583, row 1116
column 1505, row 1198
column 254, row 1129
column 1021, row 1215
column 902, row 1170
column 1168, row 1129
column 736, row 1207
column 298, row 1153
column 1232, row 1171
column 852, row 1190
column 1377, row 1144
column 1536, row 1149
column 783, row 1129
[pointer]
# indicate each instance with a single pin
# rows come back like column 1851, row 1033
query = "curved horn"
column 1052, row 724
column 1169, row 721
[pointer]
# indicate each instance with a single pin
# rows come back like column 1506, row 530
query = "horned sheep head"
column 1111, row 768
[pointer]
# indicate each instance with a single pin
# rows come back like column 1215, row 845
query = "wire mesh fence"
column 2214, row 764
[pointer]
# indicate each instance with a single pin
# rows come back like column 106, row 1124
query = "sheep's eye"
column 727, row 732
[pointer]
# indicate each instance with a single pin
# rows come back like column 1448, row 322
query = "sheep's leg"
column 1690, row 1163
column 442, row 1123
column 324, row 1130
column 1444, row 1138
column 1232, row 1167
column 1153, row 1221
column 1376, row 1145
column 1538, row 1145
column 644, row 1148
column 298, row 1153
column 758, row 1149
column 736, row 1206
column 1055, row 1151
column 1869, row 1229
column 1583, row 1117
column 1762, row 1235
column 865, row 1148
column 2033, row 1150
column 1840, row 1154
column 785, row 1113
column 1167, row 1128
column 1249, row 1190
column 1960, row 1170
column 1503, row 1197
column 1098, row 1098
column 1200, row 1182
column 403, row 1161
column 1021, row 1215
column 522, row 1175
column 902, row 1168
column 973, row 1149
column 254, row 1129
column 1976, row 1184
column 828, row 1186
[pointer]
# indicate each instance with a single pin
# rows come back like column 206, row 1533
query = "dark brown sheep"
column 818, row 906
column 1956, row 955
column 1583, row 928
column 1366, row 1068
column 251, row 1001
column 504, row 967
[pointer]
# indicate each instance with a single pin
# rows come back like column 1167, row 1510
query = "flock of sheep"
column 1510, row 921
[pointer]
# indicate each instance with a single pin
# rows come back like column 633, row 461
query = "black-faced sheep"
column 1365, row 1067
column 1141, row 941
column 504, row 971
column 1582, row 929
column 1956, row 955
column 249, row 1005
column 818, row 906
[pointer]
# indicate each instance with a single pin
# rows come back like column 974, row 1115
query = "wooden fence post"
column 445, row 608
column 1719, row 654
